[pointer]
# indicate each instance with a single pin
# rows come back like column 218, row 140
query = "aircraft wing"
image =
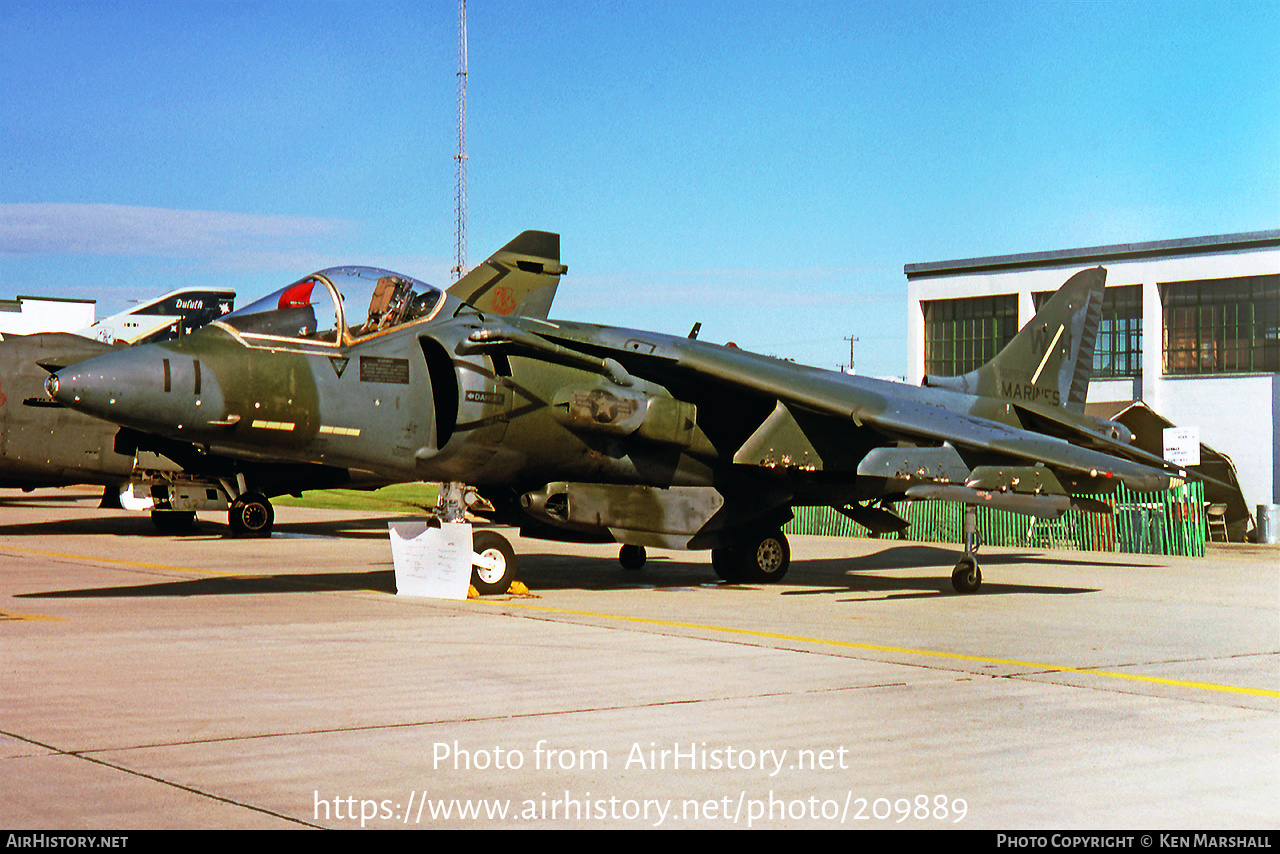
column 908, row 418
column 897, row 415
column 888, row 408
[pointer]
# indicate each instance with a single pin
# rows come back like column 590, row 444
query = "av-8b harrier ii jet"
column 589, row 433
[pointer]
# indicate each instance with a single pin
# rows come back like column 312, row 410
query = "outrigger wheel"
column 967, row 577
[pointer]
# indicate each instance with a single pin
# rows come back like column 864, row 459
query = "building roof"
column 1100, row 254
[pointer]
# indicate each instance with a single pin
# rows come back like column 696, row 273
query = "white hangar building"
column 1191, row 328
column 25, row 315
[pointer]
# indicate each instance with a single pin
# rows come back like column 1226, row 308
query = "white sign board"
column 1182, row 445
column 433, row 560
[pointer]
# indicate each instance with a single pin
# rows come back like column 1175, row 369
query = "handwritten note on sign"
column 432, row 561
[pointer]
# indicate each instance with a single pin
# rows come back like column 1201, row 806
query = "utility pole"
column 460, row 192
column 851, row 341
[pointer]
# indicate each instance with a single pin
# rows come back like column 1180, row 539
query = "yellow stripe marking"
column 220, row 573
column 340, row 431
column 6, row 616
column 1047, row 353
column 273, row 425
column 955, row 656
column 118, row 562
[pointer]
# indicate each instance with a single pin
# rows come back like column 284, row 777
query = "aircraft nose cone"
column 78, row 389
column 102, row 386
column 150, row 388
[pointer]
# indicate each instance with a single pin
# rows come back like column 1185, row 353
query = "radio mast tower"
column 460, row 192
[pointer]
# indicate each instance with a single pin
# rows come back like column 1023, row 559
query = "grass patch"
column 399, row 497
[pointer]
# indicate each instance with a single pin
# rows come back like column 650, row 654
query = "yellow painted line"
column 117, row 562
column 955, row 656
column 222, row 573
column 29, row 618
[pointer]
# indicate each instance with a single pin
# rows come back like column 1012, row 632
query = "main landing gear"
column 251, row 515
column 967, row 577
column 758, row 560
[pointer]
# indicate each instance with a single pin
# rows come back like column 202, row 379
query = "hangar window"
column 1118, row 350
column 963, row 334
column 1222, row 326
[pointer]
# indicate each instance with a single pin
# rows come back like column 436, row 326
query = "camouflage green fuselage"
column 653, row 437
column 42, row 444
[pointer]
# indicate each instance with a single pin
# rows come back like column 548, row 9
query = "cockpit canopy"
column 328, row 306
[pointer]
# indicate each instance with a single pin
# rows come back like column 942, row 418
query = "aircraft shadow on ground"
column 134, row 525
column 378, row 581
column 40, row 499
column 857, row 575
column 542, row 572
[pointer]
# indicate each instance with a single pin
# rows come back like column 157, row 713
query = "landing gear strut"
column 493, row 560
column 967, row 577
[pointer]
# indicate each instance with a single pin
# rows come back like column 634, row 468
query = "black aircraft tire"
column 764, row 560
column 967, row 577
column 725, row 563
column 493, row 545
column 632, row 557
column 251, row 515
column 173, row 521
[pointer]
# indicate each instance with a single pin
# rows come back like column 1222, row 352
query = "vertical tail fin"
column 1050, row 360
column 519, row 279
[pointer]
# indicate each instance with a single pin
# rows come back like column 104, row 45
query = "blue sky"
column 764, row 168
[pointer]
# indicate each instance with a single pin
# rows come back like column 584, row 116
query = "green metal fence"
column 1165, row 523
